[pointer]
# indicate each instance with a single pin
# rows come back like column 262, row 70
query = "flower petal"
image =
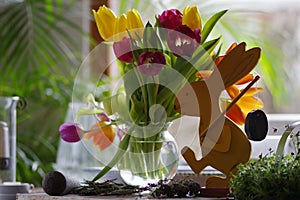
column 249, row 103
column 134, row 19
column 123, row 51
column 151, row 63
column 232, row 91
column 70, row 132
column 245, row 79
column 170, row 19
column 105, row 20
column 183, row 41
column 191, row 18
column 102, row 137
column 150, row 69
column 120, row 28
column 253, row 91
column 134, row 24
column 235, row 114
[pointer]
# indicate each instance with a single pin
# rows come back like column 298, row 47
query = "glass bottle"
column 8, row 118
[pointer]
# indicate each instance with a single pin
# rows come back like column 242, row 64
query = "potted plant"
column 273, row 176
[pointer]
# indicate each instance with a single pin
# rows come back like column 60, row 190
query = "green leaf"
column 202, row 58
column 151, row 39
column 209, row 25
column 210, row 45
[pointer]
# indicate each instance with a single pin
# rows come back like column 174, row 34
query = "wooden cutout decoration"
column 232, row 146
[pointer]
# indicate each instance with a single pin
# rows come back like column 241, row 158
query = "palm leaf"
column 35, row 37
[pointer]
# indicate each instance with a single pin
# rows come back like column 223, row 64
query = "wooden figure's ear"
column 236, row 64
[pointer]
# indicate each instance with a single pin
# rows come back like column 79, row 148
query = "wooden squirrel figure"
column 223, row 144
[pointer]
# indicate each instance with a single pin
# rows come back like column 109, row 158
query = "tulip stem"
column 144, row 92
column 123, row 145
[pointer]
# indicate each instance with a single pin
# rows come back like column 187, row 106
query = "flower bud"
column 170, row 19
column 135, row 22
column 120, row 28
column 105, row 20
column 191, row 18
column 134, row 19
column 70, row 132
column 122, row 50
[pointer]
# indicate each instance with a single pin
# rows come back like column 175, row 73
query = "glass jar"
column 149, row 160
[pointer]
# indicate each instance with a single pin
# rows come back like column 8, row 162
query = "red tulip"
column 183, row 41
column 123, row 51
column 170, row 19
column 151, row 63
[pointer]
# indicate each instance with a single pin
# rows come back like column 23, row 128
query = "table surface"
column 38, row 194
column 43, row 196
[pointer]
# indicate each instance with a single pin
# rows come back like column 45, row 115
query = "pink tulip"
column 70, row 132
column 151, row 63
column 183, row 41
column 170, row 19
column 123, row 51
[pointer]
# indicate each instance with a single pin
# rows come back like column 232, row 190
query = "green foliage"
column 269, row 177
column 38, row 61
column 36, row 48
column 210, row 24
column 37, row 139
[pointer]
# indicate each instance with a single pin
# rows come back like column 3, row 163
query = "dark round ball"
column 256, row 125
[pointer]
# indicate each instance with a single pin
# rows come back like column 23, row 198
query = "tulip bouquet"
column 155, row 62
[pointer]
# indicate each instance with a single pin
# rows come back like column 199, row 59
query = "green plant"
column 36, row 49
column 274, row 176
column 268, row 178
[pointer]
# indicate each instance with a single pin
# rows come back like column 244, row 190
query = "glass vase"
column 148, row 160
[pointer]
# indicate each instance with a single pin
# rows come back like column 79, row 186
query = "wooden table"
column 38, row 193
column 43, row 196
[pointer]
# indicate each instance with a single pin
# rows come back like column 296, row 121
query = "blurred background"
column 43, row 43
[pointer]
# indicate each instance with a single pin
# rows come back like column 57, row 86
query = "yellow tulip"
column 191, row 18
column 120, row 28
column 134, row 21
column 105, row 20
column 115, row 28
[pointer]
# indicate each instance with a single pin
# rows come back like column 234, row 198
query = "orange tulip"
column 244, row 105
column 103, row 135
